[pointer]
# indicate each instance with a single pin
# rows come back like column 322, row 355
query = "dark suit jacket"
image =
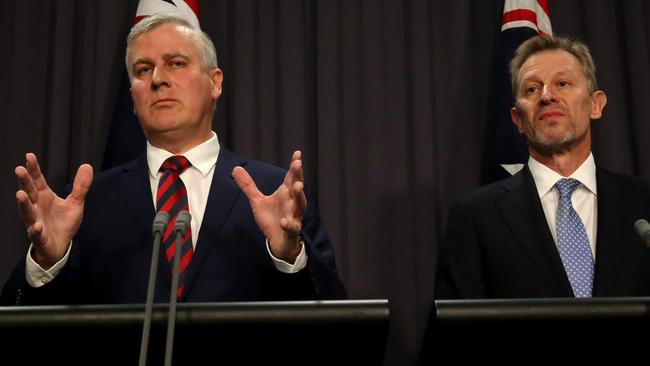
column 497, row 243
column 109, row 261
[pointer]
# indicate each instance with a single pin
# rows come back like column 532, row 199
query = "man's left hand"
column 279, row 215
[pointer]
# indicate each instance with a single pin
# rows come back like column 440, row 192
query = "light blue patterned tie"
column 573, row 242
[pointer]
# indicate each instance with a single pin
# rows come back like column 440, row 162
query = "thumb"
column 246, row 183
column 82, row 182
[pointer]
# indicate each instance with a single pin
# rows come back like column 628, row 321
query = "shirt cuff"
column 36, row 276
column 286, row 267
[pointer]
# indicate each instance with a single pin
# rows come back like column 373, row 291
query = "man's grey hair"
column 201, row 39
column 542, row 43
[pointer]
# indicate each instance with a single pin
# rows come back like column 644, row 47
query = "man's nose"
column 159, row 78
column 548, row 94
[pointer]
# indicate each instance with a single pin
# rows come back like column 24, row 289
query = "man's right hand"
column 51, row 221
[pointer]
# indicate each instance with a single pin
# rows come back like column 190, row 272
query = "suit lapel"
column 134, row 184
column 223, row 194
column 610, row 231
column 522, row 210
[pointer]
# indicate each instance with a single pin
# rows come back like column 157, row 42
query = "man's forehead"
column 163, row 34
column 165, row 44
column 171, row 28
column 553, row 62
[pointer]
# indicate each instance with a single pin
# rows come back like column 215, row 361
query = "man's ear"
column 217, row 79
column 516, row 119
column 598, row 102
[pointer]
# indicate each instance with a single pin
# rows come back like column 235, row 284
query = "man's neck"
column 178, row 146
column 564, row 163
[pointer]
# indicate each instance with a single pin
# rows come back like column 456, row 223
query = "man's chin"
column 551, row 147
column 162, row 125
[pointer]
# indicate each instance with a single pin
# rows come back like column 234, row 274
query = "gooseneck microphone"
column 642, row 228
column 180, row 228
column 160, row 222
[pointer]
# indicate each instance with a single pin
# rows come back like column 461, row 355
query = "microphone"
column 180, row 228
column 160, row 221
column 642, row 228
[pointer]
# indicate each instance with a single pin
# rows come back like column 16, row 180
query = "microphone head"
column 160, row 221
column 642, row 228
column 182, row 222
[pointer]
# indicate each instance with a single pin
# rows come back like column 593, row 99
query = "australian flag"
column 506, row 149
column 125, row 137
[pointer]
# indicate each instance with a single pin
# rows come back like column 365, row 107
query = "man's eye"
column 530, row 90
column 563, row 84
column 142, row 70
column 177, row 64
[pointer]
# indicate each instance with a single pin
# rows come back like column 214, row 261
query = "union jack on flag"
column 188, row 9
column 526, row 14
column 506, row 149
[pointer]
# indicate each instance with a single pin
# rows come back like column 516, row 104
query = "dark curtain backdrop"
column 389, row 101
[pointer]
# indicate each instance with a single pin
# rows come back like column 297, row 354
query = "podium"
column 266, row 333
column 525, row 331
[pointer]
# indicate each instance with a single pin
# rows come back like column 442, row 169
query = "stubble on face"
column 550, row 137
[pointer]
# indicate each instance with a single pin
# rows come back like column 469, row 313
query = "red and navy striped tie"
column 172, row 198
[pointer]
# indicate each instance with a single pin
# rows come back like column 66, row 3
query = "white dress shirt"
column 583, row 199
column 197, row 180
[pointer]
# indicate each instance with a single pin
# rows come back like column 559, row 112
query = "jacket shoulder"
column 494, row 191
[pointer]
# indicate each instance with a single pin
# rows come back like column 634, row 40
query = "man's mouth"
column 163, row 102
column 550, row 114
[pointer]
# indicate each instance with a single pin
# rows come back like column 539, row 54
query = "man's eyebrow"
column 558, row 73
column 143, row 60
column 166, row 57
column 169, row 56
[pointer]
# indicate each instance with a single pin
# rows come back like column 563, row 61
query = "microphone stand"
column 159, row 223
column 180, row 228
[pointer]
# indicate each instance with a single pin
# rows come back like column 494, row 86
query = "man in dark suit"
column 562, row 226
column 253, row 235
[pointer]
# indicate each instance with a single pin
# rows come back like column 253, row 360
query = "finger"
column 292, row 227
column 25, row 208
column 296, row 155
column 26, row 184
column 246, row 183
column 35, row 233
column 34, row 169
column 81, row 184
column 300, row 200
column 295, row 169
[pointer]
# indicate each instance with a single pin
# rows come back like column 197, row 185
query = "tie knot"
column 176, row 163
column 566, row 186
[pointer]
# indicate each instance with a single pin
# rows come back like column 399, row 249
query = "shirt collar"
column 202, row 157
column 545, row 178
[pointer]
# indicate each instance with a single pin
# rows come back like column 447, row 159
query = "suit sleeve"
column 321, row 264
column 61, row 290
column 319, row 280
column 459, row 273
